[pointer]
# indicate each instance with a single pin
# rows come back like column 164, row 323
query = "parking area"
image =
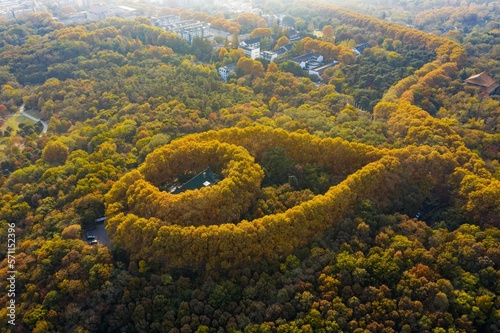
column 99, row 231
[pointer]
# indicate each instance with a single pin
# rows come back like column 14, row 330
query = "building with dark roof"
column 277, row 55
column 201, row 180
column 311, row 56
column 251, row 51
column 252, row 46
column 252, row 42
column 485, row 82
column 255, row 42
column 295, row 35
column 313, row 63
column 358, row 50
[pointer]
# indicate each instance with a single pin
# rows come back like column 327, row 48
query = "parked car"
column 89, row 237
column 92, row 242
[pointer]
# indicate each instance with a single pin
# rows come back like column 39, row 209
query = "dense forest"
column 366, row 200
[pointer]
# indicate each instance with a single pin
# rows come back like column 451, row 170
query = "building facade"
column 225, row 71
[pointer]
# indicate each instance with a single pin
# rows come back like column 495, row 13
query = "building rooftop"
column 324, row 67
column 252, row 40
column 284, row 49
column 306, row 57
column 129, row 9
column 360, row 48
column 230, row 67
column 201, row 180
column 249, row 48
column 483, row 80
column 294, row 35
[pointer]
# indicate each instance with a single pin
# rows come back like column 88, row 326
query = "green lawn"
column 34, row 113
column 14, row 122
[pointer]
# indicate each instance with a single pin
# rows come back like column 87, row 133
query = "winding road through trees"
column 45, row 125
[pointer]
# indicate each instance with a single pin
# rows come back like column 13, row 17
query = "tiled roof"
column 306, row 57
column 481, row 79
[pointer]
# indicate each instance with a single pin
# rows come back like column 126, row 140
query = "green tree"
column 277, row 165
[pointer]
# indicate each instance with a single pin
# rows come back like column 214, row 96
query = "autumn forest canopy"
column 364, row 198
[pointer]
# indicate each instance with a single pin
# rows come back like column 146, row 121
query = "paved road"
column 100, row 233
column 45, row 125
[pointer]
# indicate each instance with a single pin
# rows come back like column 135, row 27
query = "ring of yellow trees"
column 221, row 203
column 139, row 223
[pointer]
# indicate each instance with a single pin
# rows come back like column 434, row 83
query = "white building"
column 253, row 42
column 251, row 52
column 313, row 63
column 251, row 47
column 162, row 21
column 277, row 55
column 225, row 71
column 188, row 29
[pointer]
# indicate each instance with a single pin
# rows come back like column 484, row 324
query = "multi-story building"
column 251, row 47
column 188, row 29
column 19, row 9
column 163, row 21
column 277, row 55
column 251, row 52
column 225, row 71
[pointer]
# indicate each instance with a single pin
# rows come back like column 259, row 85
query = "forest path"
column 45, row 125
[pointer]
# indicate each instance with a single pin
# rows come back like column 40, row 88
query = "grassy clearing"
column 318, row 33
column 14, row 122
column 34, row 113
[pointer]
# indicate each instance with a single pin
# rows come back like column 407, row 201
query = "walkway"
column 45, row 125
